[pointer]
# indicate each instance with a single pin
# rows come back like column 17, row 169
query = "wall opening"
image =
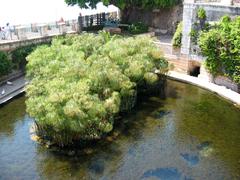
column 195, row 71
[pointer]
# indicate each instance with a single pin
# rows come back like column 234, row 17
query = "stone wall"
column 213, row 11
column 224, row 81
column 11, row 45
column 162, row 20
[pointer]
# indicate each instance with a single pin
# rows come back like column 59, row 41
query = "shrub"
column 177, row 38
column 138, row 28
column 221, row 46
column 5, row 64
column 19, row 56
column 80, row 83
column 201, row 14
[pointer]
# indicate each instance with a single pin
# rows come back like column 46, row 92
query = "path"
column 220, row 90
column 13, row 90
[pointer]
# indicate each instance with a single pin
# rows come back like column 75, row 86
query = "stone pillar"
column 188, row 20
column 62, row 28
column 227, row 2
column 43, row 30
column 21, row 33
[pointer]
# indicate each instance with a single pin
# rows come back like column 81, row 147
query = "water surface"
column 188, row 133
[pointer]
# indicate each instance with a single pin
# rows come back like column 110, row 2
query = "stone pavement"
column 10, row 91
column 203, row 83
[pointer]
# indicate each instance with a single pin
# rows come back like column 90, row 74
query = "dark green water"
column 190, row 134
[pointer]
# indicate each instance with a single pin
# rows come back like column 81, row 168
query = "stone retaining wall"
column 225, row 81
column 163, row 21
column 9, row 46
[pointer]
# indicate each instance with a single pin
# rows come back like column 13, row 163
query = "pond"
column 189, row 133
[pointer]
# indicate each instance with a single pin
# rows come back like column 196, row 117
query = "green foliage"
column 221, row 46
column 198, row 26
column 122, row 4
column 19, row 56
column 194, row 34
column 138, row 28
column 201, row 14
column 80, row 83
column 177, row 38
column 5, row 64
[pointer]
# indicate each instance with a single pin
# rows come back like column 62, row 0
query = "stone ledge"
column 220, row 90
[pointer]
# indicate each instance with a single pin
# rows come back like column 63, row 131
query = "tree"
column 126, row 6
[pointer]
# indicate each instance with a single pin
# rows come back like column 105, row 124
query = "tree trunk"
column 125, row 14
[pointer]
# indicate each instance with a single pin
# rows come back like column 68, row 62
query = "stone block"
column 112, row 30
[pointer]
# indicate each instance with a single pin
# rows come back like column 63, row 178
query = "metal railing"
column 32, row 31
column 18, row 33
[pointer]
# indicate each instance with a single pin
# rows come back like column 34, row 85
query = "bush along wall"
column 19, row 55
column 5, row 64
column 80, row 83
column 177, row 38
column 138, row 28
column 221, row 46
column 16, row 59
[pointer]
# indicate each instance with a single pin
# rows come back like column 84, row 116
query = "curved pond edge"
column 222, row 91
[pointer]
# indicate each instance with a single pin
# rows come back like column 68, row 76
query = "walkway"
column 9, row 91
column 220, row 90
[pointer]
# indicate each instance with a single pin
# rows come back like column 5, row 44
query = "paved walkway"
column 220, row 90
column 13, row 90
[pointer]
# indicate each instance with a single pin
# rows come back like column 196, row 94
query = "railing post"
column 98, row 19
column 103, row 18
column 91, row 20
column 80, row 23
column 87, row 20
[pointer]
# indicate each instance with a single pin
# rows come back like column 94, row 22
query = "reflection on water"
column 190, row 134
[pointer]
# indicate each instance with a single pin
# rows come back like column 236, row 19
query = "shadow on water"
column 90, row 161
column 11, row 113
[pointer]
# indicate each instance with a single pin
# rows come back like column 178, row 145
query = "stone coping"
column 220, row 90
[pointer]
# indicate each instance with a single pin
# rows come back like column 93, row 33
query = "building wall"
column 213, row 11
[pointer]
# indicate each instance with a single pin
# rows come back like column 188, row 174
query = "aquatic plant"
column 81, row 82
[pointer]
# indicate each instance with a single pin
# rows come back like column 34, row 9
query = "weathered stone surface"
column 213, row 11
column 165, row 20
column 225, row 81
column 113, row 30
